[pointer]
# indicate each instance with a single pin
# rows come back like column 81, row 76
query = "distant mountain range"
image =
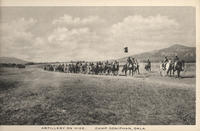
column 11, row 60
column 183, row 52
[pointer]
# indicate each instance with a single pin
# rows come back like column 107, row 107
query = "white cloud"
column 71, row 38
column 69, row 20
column 93, row 22
column 64, row 34
column 143, row 33
column 16, row 37
column 73, row 43
column 18, row 28
column 61, row 44
column 144, row 28
column 75, row 38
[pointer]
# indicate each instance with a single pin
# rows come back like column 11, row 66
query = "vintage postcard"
column 99, row 66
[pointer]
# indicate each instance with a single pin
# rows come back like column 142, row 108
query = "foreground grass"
column 38, row 98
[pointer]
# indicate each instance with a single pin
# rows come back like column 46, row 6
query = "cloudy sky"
column 92, row 33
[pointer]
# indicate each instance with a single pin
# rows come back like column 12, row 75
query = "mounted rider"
column 107, row 63
column 148, row 62
column 136, row 62
column 148, row 65
column 133, row 61
column 116, row 64
column 137, row 66
column 176, row 59
column 129, row 61
column 165, row 62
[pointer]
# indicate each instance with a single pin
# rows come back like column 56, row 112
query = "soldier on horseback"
column 129, row 61
column 148, row 66
column 133, row 61
column 148, row 62
column 136, row 65
column 165, row 62
column 176, row 59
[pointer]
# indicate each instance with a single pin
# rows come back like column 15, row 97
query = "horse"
column 147, row 67
column 115, row 68
column 137, row 68
column 178, row 67
column 125, row 69
column 101, row 69
column 131, row 67
column 108, row 69
column 166, row 69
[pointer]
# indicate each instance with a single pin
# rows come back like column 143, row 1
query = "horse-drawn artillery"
column 98, row 68
column 114, row 68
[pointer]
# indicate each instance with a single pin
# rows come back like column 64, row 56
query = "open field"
column 32, row 96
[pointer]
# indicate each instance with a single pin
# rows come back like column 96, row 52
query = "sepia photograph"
column 98, row 65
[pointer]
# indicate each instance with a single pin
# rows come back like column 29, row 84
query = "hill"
column 9, row 60
column 183, row 52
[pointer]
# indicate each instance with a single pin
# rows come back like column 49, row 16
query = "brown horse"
column 178, row 67
column 132, row 68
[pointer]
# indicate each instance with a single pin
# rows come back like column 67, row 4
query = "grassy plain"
column 32, row 96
